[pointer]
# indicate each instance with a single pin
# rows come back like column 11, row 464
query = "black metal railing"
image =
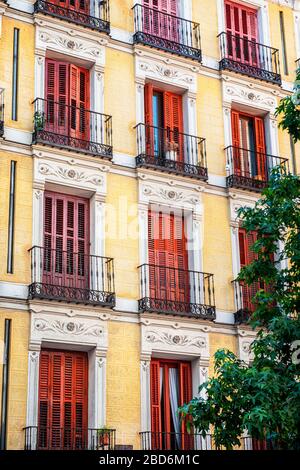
column 298, row 64
column 72, row 128
column 176, row 291
column 184, row 441
column 250, row 58
column 244, row 300
column 71, row 277
column 96, row 17
column 1, row 112
column 167, row 32
column 250, row 169
column 67, row 438
column 171, row 151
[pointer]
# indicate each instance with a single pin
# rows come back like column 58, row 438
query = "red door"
column 66, row 241
column 68, row 100
column 171, row 387
column 81, row 6
column 242, row 33
column 166, row 140
column 63, row 400
column 156, row 21
column 168, row 259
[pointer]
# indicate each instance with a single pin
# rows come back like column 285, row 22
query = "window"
column 82, row 6
column 63, row 399
column 66, row 241
column 157, row 22
column 164, row 124
column 249, row 147
column 168, row 258
column 242, row 27
column 67, row 99
column 171, row 387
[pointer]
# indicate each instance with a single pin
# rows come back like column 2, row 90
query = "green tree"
column 263, row 397
column 289, row 107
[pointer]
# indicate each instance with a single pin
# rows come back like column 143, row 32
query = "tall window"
column 82, row 6
column 242, row 27
column 63, row 400
column 164, row 121
column 248, row 140
column 68, row 97
column 168, row 258
column 171, row 387
column 157, row 23
column 66, row 240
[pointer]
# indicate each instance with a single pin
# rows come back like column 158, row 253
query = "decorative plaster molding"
column 69, row 42
column 70, row 174
column 175, row 339
column 155, row 67
column 250, row 96
column 67, row 328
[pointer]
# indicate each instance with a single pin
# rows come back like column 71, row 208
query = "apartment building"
column 130, row 134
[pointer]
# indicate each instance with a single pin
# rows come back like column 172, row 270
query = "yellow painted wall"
column 123, row 382
column 17, row 398
column 26, row 71
column 122, row 233
column 23, row 217
column 120, row 95
column 121, row 15
column 205, row 13
column 210, row 122
column 217, row 254
column 289, row 36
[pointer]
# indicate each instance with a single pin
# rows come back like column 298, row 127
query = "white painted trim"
column 297, row 32
column 97, row 390
column 224, row 317
column 217, row 180
column 145, row 395
column 13, row 290
column 17, row 135
column 33, row 389
column 121, row 35
column 123, row 159
column 22, row 5
column 126, row 305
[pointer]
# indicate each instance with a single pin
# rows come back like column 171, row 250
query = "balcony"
column 245, row 307
column 171, row 151
column 51, row 438
column 174, row 291
column 99, row 22
column 71, row 277
column 72, row 128
column 1, row 112
column 249, row 169
column 180, row 441
column 249, row 58
column 166, row 32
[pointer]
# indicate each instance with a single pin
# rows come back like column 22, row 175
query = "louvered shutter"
column 63, row 390
column 241, row 26
column 181, row 261
column 236, row 152
column 81, row 6
column 66, row 240
column 156, row 437
column 79, row 101
column 185, row 387
column 57, row 96
column 173, row 123
column 260, row 147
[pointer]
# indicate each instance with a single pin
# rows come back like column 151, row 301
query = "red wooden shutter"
column 260, row 145
column 57, row 96
column 156, row 438
column 173, row 123
column 149, row 131
column 235, row 130
column 243, row 247
column 247, row 256
column 186, row 394
column 63, row 389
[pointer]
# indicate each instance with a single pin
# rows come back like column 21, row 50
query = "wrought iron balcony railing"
column 169, row 33
column 67, row 438
column 174, row 291
column 71, row 277
column 248, row 169
column 244, row 301
column 298, row 64
column 183, row 441
column 1, row 112
column 94, row 16
column 250, row 58
column 171, row 151
column 72, row 128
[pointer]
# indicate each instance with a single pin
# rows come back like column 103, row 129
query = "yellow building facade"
column 117, row 119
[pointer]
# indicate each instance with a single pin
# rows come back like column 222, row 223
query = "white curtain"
column 174, row 400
